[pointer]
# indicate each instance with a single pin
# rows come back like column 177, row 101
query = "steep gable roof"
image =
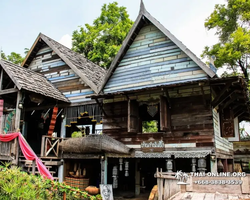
column 88, row 71
column 31, row 81
column 141, row 20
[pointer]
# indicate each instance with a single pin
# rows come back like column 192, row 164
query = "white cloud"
column 66, row 40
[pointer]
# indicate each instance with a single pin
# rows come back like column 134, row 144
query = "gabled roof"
column 88, row 71
column 31, row 81
column 140, row 21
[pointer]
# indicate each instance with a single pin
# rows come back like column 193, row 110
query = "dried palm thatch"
column 94, row 144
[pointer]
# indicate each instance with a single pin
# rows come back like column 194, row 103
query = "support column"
column 213, row 165
column 137, row 178
column 104, row 169
column 18, row 111
column 61, row 167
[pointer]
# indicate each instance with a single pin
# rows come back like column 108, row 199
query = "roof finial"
column 142, row 7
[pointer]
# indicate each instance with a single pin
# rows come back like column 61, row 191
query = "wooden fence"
column 167, row 184
column 9, row 151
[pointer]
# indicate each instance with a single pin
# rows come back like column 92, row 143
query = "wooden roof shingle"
column 31, row 81
column 90, row 73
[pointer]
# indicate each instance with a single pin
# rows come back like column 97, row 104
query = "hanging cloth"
column 27, row 152
column 53, row 121
column 8, row 121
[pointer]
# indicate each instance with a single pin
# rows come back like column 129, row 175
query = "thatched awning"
column 94, row 144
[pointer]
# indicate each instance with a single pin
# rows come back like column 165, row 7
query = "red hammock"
column 27, row 152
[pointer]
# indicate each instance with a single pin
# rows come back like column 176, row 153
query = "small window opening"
column 150, row 126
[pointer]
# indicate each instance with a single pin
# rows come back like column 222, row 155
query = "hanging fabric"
column 53, row 121
column 27, row 152
column 8, row 121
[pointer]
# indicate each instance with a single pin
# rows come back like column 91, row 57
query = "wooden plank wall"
column 153, row 59
column 191, row 120
column 48, row 63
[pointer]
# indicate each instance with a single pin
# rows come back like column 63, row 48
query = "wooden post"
column 137, row 178
column 18, row 111
column 42, row 145
column 33, row 167
column 106, row 170
column 64, row 195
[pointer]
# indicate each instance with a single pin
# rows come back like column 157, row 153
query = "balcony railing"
column 50, row 146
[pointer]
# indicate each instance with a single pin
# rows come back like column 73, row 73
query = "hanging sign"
column 153, row 146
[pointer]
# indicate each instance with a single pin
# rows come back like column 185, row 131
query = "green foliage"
column 76, row 134
column 231, row 22
column 15, row 58
column 149, row 126
column 101, row 41
column 18, row 185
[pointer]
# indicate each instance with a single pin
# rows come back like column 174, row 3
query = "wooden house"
column 75, row 77
column 155, row 79
column 20, row 89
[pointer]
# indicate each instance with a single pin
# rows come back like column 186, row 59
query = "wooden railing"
column 50, row 146
column 9, row 151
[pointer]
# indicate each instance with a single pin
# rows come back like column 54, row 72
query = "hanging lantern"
column 120, row 162
column 126, row 168
column 115, row 177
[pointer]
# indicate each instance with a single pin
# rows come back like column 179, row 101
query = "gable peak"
column 142, row 7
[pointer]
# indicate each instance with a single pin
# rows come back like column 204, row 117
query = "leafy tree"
column 231, row 22
column 15, row 58
column 101, row 41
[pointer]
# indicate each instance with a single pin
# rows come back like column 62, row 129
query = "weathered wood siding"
column 153, row 59
column 191, row 120
column 47, row 62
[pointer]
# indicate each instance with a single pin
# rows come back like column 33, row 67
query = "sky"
column 22, row 21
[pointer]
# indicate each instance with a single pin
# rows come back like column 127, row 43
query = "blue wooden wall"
column 152, row 60
column 60, row 75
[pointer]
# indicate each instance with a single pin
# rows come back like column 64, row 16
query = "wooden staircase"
column 51, row 164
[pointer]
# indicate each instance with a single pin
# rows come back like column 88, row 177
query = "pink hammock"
column 27, row 152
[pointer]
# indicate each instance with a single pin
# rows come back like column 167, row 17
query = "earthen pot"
column 92, row 190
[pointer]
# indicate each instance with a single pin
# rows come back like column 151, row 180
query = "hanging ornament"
column 120, row 162
column 115, row 177
column 126, row 168
column 152, row 109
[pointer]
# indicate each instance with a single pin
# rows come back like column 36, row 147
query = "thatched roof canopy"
column 94, row 144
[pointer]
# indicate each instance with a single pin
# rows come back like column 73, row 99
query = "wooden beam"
column 239, row 113
column 219, row 98
column 99, row 104
column 228, row 103
column 1, row 80
column 8, row 91
column 18, row 111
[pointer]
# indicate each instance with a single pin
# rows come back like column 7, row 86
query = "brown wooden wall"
column 191, row 121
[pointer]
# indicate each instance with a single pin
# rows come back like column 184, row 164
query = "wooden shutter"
column 164, row 114
column 227, row 123
column 133, row 116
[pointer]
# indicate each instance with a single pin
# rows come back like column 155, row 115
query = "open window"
column 148, row 117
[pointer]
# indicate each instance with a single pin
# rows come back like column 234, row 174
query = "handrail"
column 50, row 145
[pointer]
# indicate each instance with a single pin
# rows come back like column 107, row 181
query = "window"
column 150, row 126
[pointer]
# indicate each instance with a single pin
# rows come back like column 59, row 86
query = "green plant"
column 18, row 185
column 76, row 134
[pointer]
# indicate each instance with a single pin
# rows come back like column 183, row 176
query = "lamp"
column 102, row 158
column 20, row 105
column 213, row 157
column 62, row 116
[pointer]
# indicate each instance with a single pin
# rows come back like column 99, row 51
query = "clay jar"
column 92, row 190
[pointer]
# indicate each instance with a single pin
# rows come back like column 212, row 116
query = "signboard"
column 153, row 146
column 106, row 191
